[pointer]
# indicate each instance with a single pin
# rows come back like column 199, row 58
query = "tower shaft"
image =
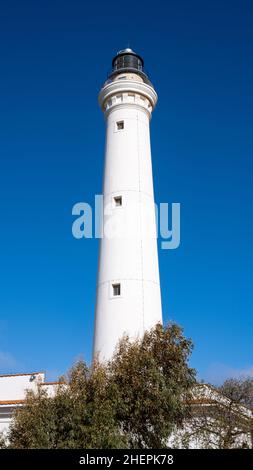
column 128, row 288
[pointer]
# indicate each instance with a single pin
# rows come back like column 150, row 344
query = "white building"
column 128, row 288
column 13, row 388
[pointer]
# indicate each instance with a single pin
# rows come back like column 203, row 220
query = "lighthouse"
column 128, row 298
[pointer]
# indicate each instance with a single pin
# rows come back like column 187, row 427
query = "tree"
column 80, row 415
column 135, row 400
column 239, row 391
column 221, row 417
column 153, row 381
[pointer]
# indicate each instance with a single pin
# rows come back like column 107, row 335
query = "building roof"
column 50, row 383
column 19, row 375
column 11, row 402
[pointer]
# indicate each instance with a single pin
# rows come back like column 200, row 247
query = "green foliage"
column 152, row 380
column 133, row 401
column 80, row 415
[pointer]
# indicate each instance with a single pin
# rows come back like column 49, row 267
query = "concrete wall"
column 13, row 387
column 13, row 390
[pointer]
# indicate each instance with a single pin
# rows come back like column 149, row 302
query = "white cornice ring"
column 127, row 86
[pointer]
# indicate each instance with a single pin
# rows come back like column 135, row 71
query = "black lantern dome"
column 128, row 61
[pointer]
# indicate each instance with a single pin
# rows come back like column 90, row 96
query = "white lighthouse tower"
column 128, row 286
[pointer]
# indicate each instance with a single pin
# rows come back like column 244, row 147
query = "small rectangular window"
column 116, row 290
column 118, row 201
column 120, row 125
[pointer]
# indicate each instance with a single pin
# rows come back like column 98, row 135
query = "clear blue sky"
column 54, row 57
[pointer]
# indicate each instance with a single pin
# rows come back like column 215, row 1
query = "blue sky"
column 54, row 58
